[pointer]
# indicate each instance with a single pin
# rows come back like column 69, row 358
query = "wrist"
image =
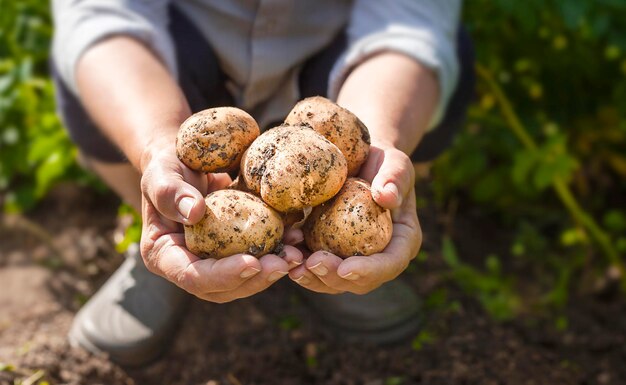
column 383, row 143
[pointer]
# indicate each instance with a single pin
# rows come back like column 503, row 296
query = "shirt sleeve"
column 422, row 29
column 79, row 24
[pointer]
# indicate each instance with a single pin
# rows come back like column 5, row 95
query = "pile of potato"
column 298, row 174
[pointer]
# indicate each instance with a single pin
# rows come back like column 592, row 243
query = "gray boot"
column 132, row 316
column 386, row 315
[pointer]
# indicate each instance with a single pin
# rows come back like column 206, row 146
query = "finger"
column 372, row 164
column 308, row 280
column 293, row 256
column 218, row 181
column 394, row 179
column 293, row 236
column 273, row 268
column 225, row 274
column 325, row 266
column 165, row 254
column 174, row 192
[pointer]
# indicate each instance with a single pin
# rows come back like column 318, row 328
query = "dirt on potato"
column 293, row 167
column 273, row 338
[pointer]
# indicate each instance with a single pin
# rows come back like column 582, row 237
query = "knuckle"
column 187, row 281
column 418, row 242
column 145, row 183
column 163, row 193
column 148, row 253
column 162, row 189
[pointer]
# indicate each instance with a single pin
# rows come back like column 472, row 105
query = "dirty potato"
column 336, row 124
column 349, row 224
column 214, row 140
column 235, row 222
column 293, row 168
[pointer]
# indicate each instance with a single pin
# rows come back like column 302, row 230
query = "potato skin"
column 349, row 224
column 338, row 125
column 235, row 222
column 214, row 140
column 293, row 167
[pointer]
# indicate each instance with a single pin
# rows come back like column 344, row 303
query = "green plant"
column 35, row 151
column 491, row 287
column 544, row 149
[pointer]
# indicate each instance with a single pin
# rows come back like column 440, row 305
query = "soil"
column 52, row 260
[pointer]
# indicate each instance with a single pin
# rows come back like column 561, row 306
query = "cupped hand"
column 174, row 195
column 392, row 176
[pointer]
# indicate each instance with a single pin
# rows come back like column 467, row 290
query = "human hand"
column 393, row 186
column 173, row 195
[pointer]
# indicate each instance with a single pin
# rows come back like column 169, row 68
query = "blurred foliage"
column 35, row 151
column 562, row 66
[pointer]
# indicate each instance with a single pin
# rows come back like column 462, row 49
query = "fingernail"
column 275, row 276
column 249, row 272
column 302, row 280
column 319, row 269
column 351, row 276
column 185, row 205
column 294, row 263
column 296, row 240
column 393, row 189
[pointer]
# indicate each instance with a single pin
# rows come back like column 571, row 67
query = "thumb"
column 394, row 179
column 173, row 197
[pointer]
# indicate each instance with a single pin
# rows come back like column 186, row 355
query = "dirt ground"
column 52, row 260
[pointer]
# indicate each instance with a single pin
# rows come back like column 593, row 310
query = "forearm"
column 395, row 96
column 131, row 96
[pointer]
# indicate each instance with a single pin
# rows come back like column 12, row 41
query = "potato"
column 214, row 140
column 235, row 222
column 338, row 125
column 349, row 224
column 292, row 168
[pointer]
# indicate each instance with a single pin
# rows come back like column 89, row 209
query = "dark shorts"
column 203, row 84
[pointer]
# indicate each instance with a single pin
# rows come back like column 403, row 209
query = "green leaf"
column 424, row 338
column 42, row 147
column 615, row 220
column 488, row 187
column 394, row 381
column 554, row 163
column 132, row 235
column 524, row 162
column 573, row 236
column 448, row 252
column 6, row 81
column 19, row 200
column 471, row 167
column 10, row 136
column 49, row 172
column 620, row 245
column 289, row 322
column 492, row 263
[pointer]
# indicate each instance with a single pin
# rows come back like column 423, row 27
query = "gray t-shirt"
column 261, row 44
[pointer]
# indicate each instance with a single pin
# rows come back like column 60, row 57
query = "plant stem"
column 559, row 185
column 601, row 237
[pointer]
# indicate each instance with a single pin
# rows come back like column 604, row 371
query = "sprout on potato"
column 235, row 222
column 336, row 124
column 349, row 224
column 292, row 168
column 214, row 140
